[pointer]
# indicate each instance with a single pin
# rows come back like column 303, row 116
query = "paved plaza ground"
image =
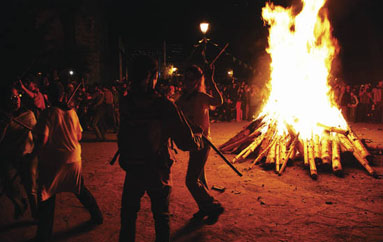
column 260, row 206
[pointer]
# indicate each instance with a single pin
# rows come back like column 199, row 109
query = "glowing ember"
column 301, row 49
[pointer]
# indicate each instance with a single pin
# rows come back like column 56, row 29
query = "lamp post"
column 204, row 27
column 230, row 73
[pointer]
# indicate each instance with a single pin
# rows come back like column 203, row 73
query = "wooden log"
column 358, row 156
column 290, row 130
column 283, row 152
column 293, row 153
column 235, row 144
column 290, row 152
column 255, row 124
column 312, row 166
column 231, row 147
column 359, row 145
column 317, row 155
column 305, row 153
column 364, row 162
column 255, row 144
column 269, row 136
column 333, row 129
column 326, row 150
column 248, row 148
column 336, row 165
column 300, row 147
column 262, row 154
column 278, row 154
column 346, row 144
column 270, row 159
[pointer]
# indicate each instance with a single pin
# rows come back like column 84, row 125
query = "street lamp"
column 230, row 73
column 204, row 27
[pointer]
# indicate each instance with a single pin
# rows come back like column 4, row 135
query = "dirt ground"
column 260, row 206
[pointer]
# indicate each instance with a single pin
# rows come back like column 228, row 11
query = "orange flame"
column 301, row 49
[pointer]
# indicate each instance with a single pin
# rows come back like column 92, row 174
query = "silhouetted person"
column 148, row 123
column 16, row 142
column 58, row 132
column 195, row 103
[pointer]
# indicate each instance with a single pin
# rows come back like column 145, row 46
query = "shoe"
column 97, row 218
column 199, row 216
column 213, row 215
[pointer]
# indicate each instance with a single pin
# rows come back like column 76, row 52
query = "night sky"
column 357, row 26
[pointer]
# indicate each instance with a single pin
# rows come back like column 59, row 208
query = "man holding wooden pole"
column 195, row 102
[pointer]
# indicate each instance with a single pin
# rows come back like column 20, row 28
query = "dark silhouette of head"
column 56, row 93
column 143, row 71
column 194, row 79
column 10, row 98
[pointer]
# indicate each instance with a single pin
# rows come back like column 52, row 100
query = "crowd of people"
column 360, row 103
column 97, row 105
column 241, row 100
column 41, row 152
column 41, row 128
column 42, row 121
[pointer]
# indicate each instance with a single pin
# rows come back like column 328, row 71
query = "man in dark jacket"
column 148, row 124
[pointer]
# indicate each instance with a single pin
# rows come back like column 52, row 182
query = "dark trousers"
column 156, row 184
column 110, row 116
column 47, row 208
column 98, row 122
column 196, row 180
column 12, row 184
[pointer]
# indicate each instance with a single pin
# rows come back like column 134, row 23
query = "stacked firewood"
column 263, row 142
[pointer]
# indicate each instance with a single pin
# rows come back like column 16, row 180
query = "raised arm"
column 216, row 94
column 26, row 90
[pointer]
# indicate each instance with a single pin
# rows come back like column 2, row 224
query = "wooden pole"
column 326, row 150
column 336, row 165
column 312, row 166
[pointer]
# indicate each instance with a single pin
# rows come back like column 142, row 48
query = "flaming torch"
column 299, row 120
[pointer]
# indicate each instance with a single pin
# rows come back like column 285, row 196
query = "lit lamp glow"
column 71, row 72
column 204, row 27
column 230, row 73
column 171, row 70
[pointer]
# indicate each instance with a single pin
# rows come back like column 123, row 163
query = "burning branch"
column 299, row 121
column 264, row 146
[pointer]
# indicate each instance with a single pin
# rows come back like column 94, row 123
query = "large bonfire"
column 300, row 121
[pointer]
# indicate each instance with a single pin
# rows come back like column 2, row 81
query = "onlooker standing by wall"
column 109, row 109
column 377, row 93
column 364, row 105
column 116, row 105
column 348, row 103
column 97, row 108
column 252, row 103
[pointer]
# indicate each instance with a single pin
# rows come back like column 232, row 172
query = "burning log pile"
column 300, row 120
column 261, row 141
